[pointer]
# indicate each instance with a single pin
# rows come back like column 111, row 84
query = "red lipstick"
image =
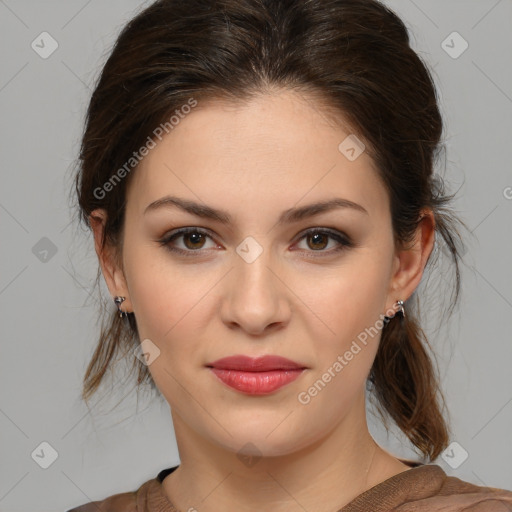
column 256, row 376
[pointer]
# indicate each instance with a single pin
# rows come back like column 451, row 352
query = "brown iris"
column 195, row 237
column 317, row 237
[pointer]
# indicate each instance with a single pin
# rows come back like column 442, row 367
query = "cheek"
column 169, row 312
column 348, row 300
column 346, row 341
column 169, row 302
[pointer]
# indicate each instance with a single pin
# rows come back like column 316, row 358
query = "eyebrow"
column 287, row 217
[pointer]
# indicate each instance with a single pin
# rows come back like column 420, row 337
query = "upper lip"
column 258, row 364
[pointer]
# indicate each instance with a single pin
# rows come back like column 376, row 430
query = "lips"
column 259, row 364
column 256, row 376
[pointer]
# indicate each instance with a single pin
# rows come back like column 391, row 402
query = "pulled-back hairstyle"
column 354, row 56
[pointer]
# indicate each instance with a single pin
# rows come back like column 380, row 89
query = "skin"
column 255, row 160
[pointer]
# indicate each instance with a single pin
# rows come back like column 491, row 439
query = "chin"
column 263, row 440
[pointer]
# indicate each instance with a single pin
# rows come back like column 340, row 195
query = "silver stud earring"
column 119, row 300
column 400, row 304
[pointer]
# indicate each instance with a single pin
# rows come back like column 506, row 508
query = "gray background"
column 48, row 311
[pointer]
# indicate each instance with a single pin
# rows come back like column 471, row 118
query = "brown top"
column 424, row 488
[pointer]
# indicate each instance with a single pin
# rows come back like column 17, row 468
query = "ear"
column 410, row 261
column 109, row 260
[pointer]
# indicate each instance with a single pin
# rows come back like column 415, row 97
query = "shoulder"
column 147, row 498
column 427, row 488
column 125, row 502
column 442, row 492
column 118, row 502
column 122, row 502
column 473, row 498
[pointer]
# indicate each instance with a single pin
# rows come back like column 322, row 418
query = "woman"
column 258, row 177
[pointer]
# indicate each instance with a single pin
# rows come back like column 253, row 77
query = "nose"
column 256, row 299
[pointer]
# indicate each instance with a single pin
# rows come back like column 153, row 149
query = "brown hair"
column 354, row 54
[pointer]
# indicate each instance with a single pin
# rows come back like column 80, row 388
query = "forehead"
column 271, row 150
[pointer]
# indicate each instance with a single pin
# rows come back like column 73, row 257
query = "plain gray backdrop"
column 48, row 266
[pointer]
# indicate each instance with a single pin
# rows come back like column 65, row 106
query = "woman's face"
column 254, row 285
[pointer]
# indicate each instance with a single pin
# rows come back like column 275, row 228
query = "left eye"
column 319, row 240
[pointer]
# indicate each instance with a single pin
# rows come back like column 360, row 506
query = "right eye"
column 193, row 240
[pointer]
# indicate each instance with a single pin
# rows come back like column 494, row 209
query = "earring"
column 400, row 304
column 119, row 300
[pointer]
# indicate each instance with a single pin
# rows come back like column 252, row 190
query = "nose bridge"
column 259, row 272
column 256, row 296
column 252, row 274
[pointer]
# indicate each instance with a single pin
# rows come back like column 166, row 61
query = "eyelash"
column 343, row 241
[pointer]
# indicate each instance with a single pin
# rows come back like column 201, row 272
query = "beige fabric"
column 424, row 488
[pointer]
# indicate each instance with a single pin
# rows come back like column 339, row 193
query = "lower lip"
column 257, row 383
